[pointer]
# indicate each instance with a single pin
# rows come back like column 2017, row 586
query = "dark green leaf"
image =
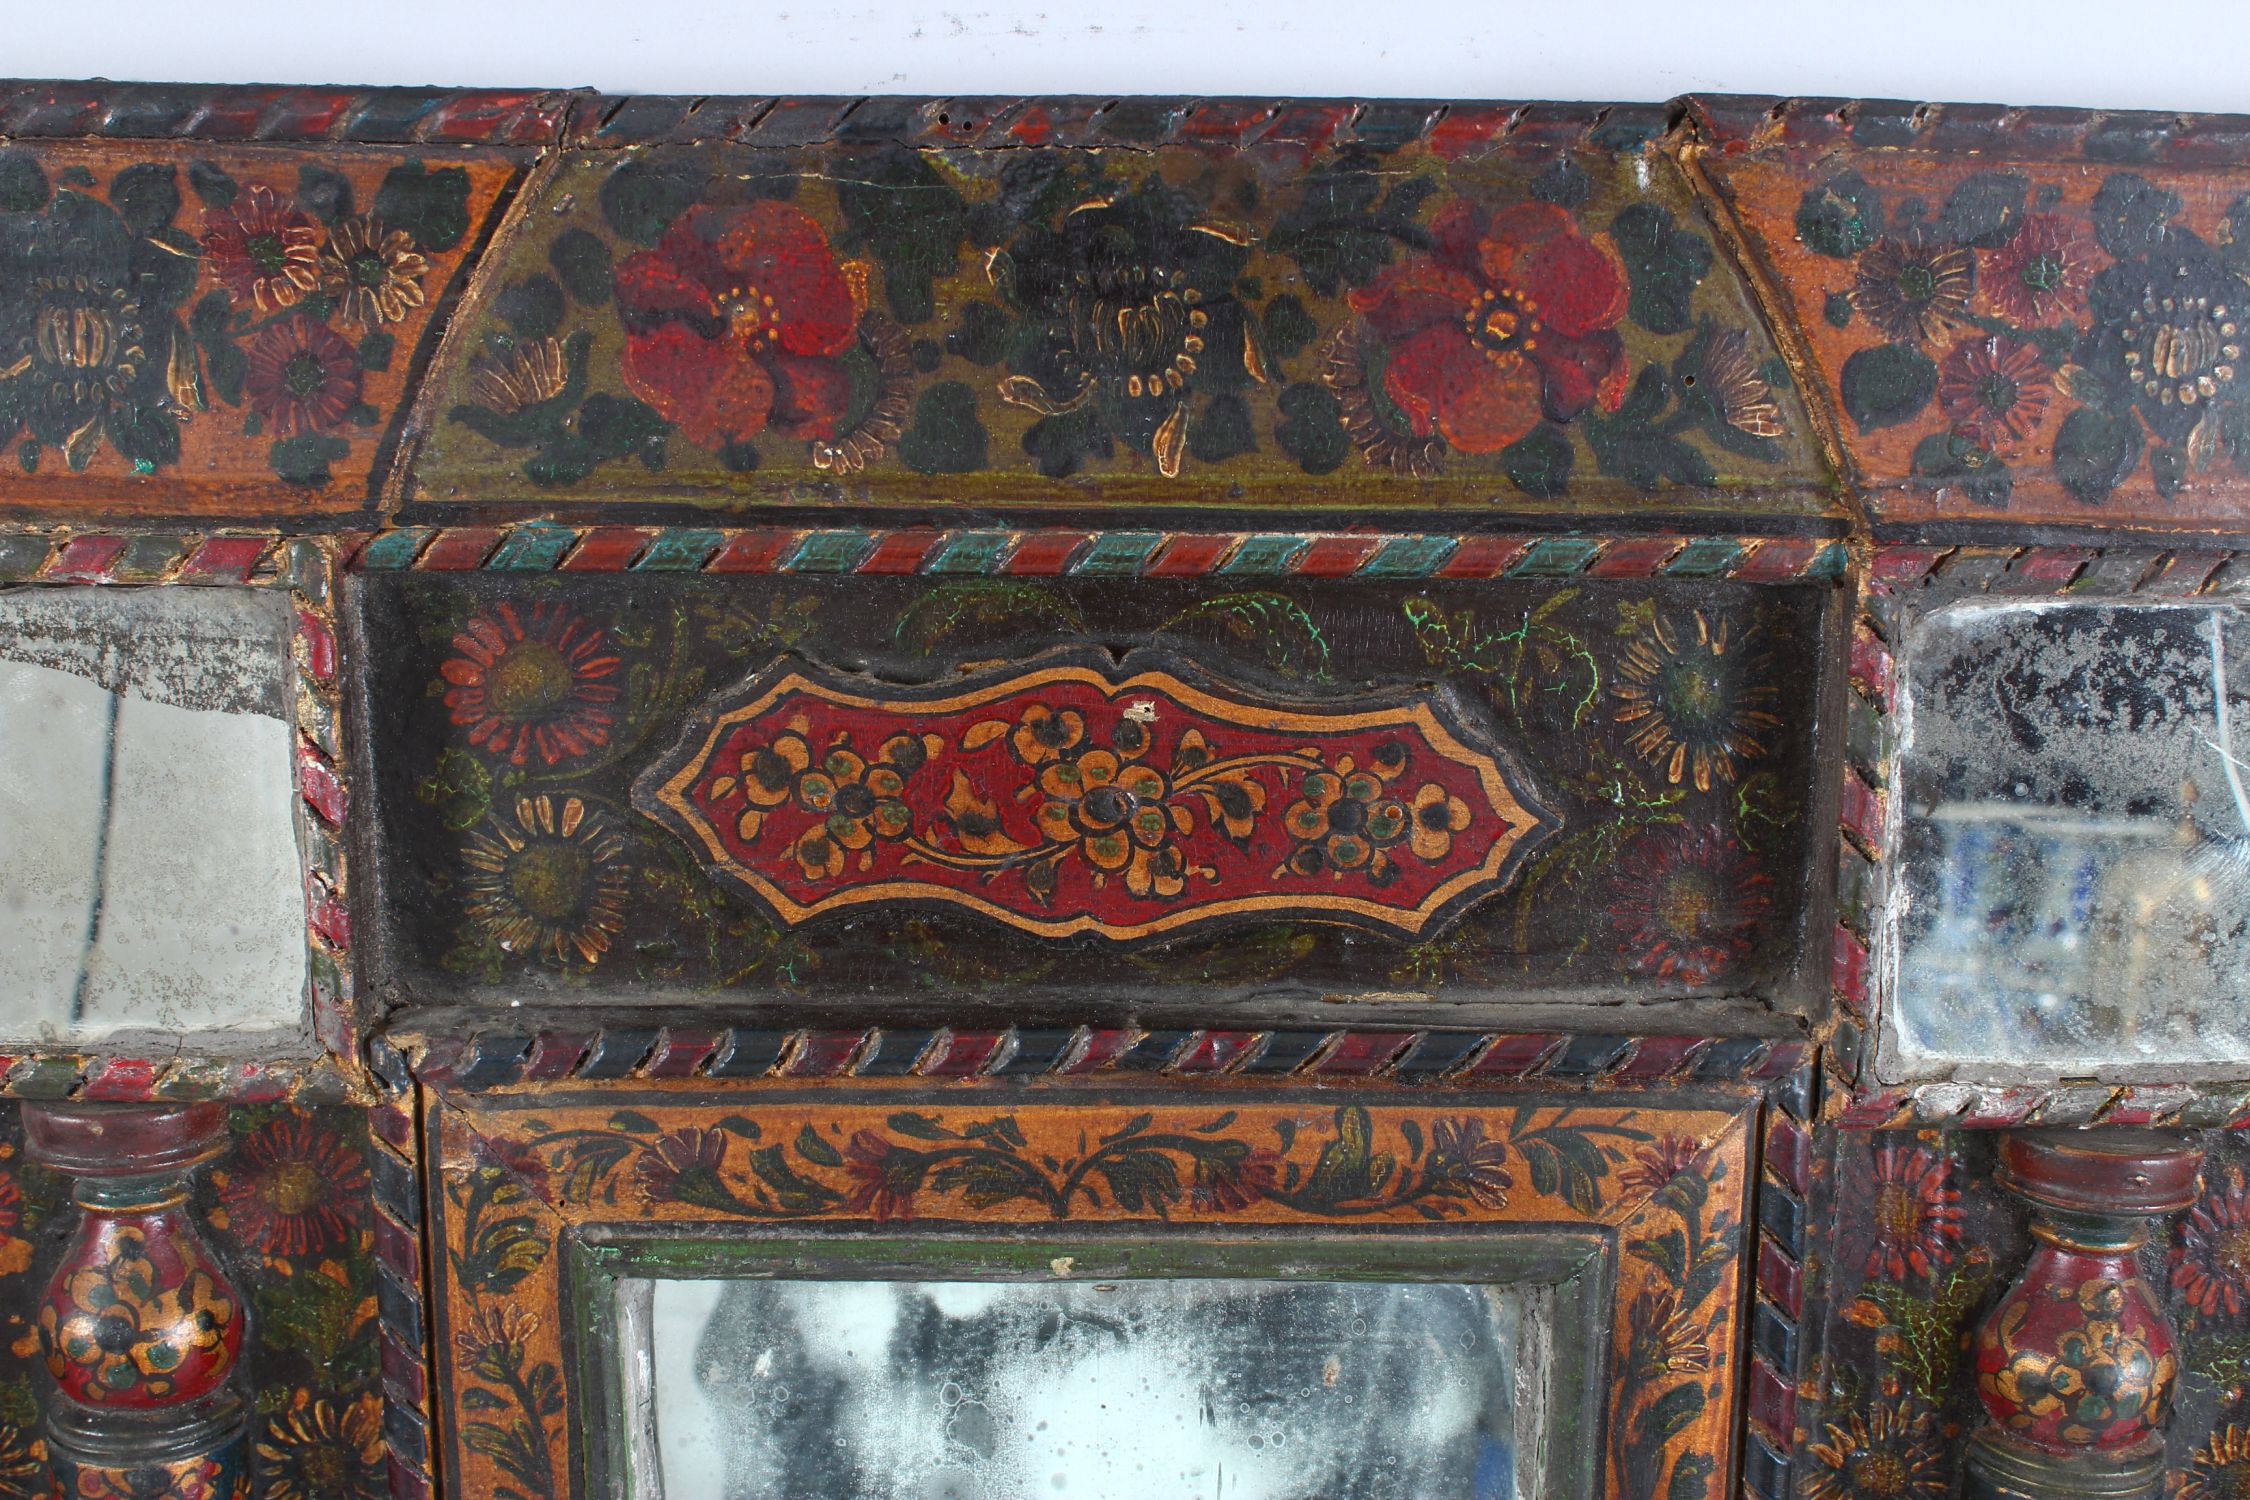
column 642, row 198
column 1141, row 1180
column 813, row 1148
column 213, row 186
column 2095, row 450
column 633, row 1122
column 738, row 1125
column 1344, row 226
column 619, row 426
column 1986, row 210
column 1664, row 263
column 1564, row 184
column 1838, row 309
column 1949, row 459
column 2131, row 214
column 582, row 264
column 23, row 182
column 919, row 1126
column 1220, row 430
column 947, row 436
column 1311, row 429
column 146, row 196
column 433, row 207
column 981, row 334
column 1887, row 385
column 375, row 349
column 304, row 459
column 897, row 204
column 1840, row 217
column 1061, row 444
column 532, row 306
column 1539, row 463
column 326, row 195
column 1287, row 326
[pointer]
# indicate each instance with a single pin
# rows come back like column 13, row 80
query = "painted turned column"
column 2075, row 1365
column 139, row 1324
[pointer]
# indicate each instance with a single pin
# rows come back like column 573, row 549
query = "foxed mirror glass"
column 2073, row 888
column 152, row 881
column 1193, row 1389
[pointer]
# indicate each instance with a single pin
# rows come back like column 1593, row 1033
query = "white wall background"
column 2146, row 54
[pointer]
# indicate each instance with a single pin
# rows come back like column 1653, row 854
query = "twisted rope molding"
column 48, row 109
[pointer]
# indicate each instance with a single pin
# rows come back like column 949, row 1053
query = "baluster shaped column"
column 2075, row 1365
column 140, row 1326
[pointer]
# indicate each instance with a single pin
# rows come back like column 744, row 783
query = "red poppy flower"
column 262, row 249
column 1509, row 318
column 291, row 1193
column 884, row 1174
column 1690, row 903
column 532, row 687
column 1917, row 1211
column 2211, row 1252
column 1994, row 390
column 301, row 376
column 733, row 321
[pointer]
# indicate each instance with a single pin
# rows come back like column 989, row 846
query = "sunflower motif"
column 1887, row 1452
column 1994, row 390
column 858, row 802
column 1695, row 699
column 2211, row 1249
column 1734, row 379
column 2220, row 1469
column 1664, row 1340
column 870, row 431
column 1116, row 809
column 290, row 1190
column 2041, row 273
column 1690, row 903
column 1913, row 287
column 535, row 371
column 373, row 274
column 1346, row 818
column 1917, row 1211
column 263, row 249
column 540, row 685
column 23, row 1473
column 323, row 1450
column 1463, row 1160
column 550, row 880
column 118, row 1332
column 301, row 376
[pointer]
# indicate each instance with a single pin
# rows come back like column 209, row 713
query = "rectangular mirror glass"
column 2074, row 880
column 1190, row 1389
column 152, row 881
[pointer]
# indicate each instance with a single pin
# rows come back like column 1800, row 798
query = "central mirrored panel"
column 2075, row 836
column 1189, row 1389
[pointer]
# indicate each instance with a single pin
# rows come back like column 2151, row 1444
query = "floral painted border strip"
column 517, row 1178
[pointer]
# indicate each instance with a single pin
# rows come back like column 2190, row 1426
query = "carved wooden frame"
column 540, row 1200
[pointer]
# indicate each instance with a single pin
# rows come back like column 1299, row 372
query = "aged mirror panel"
column 1102, row 1390
column 2075, row 837
column 152, row 879
column 910, row 788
